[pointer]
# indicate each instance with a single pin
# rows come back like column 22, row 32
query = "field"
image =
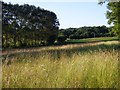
column 98, row 39
column 90, row 65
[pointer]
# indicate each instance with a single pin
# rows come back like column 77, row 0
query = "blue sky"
column 74, row 14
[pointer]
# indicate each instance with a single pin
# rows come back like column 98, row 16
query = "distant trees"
column 27, row 25
column 86, row 32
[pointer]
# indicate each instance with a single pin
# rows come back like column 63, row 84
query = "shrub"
column 61, row 39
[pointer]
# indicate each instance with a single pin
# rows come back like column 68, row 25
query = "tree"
column 27, row 25
column 113, row 15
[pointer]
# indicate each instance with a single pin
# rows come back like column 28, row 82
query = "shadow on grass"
column 81, row 41
column 56, row 54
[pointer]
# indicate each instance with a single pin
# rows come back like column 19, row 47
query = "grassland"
column 86, row 40
column 83, row 66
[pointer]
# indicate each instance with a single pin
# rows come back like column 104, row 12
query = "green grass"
column 86, row 40
column 83, row 67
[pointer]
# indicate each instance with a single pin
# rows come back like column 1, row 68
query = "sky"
column 72, row 13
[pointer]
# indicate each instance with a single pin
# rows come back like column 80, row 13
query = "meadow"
column 97, row 39
column 93, row 65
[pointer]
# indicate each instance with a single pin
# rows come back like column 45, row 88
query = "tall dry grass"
column 96, row 68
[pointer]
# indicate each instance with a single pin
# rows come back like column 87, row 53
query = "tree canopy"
column 113, row 15
column 86, row 32
column 27, row 25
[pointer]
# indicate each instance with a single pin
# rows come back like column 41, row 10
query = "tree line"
column 86, row 32
column 27, row 25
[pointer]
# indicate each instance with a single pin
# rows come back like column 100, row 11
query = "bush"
column 61, row 39
column 51, row 39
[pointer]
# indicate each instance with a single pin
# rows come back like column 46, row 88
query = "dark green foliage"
column 113, row 15
column 86, row 32
column 51, row 39
column 61, row 39
column 27, row 25
column 74, row 36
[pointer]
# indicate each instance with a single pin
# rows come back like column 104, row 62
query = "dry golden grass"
column 88, row 69
column 69, row 46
